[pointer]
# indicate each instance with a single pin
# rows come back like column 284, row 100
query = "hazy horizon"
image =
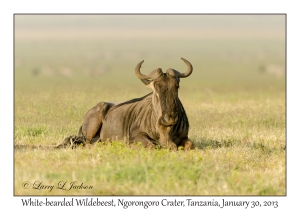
column 143, row 26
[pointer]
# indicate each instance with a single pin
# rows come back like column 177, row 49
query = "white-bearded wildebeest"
column 154, row 119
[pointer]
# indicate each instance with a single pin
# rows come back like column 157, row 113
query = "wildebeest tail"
column 72, row 142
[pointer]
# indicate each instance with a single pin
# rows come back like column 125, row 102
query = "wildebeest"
column 157, row 118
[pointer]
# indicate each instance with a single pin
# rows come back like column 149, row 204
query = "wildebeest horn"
column 152, row 75
column 181, row 75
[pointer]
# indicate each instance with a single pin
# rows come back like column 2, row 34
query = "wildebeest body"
column 139, row 124
column 155, row 119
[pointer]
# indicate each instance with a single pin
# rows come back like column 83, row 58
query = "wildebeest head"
column 165, row 91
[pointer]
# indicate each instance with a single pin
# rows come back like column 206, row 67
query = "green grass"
column 236, row 114
column 240, row 147
column 117, row 169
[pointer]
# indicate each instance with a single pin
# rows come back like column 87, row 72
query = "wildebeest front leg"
column 137, row 136
column 144, row 139
column 186, row 144
column 168, row 143
column 165, row 138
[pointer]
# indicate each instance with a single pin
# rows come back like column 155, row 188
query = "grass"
column 117, row 169
column 236, row 114
column 240, row 148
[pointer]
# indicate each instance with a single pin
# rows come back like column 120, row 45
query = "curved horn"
column 179, row 74
column 152, row 75
column 138, row 73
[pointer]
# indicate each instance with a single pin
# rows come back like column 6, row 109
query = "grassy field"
column 234, row 100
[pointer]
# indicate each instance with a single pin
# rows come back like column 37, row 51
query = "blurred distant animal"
column 273, row 69
column 35, row 71
column 157, row 118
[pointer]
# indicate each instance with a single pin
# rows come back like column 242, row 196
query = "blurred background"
column 245, row 51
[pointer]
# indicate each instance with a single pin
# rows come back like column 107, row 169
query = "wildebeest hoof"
column 172, row 147
column 72, row 142
column 188, row 145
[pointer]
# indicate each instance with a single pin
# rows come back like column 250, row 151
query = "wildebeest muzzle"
column 169, row 119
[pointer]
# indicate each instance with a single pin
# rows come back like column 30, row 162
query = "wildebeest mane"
column 131, row 101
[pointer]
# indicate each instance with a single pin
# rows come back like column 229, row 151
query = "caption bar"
column 126, row 204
